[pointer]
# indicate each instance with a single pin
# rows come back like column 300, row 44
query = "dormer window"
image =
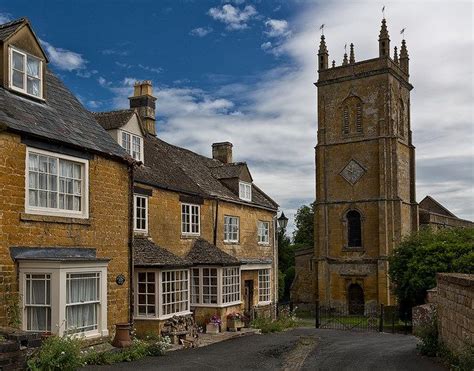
column 26, row 73
column 245, row 191
column 133, row 144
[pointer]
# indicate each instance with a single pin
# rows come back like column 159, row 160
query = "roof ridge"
column 11, row 23
column 112, row 112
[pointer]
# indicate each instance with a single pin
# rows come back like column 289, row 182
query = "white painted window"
column 82, row 302
column 215, row 287
column 133, row 144
column 162, row 294
column 174, row 293
column 37, row 299
column 190, row 219
column 64, row 297
column 26, row 73
column 263, row 232
column 230, row 285
column 140, row 223
column 231, row 229
column 264, row 292
column 245, row 191
column 56, row 184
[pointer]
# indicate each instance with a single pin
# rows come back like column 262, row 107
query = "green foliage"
column 153, row 346
column 57, row 353
column 289, row 277
column 304, row 220
column 428, row 334
column 285, row 320
column 281, row 284
column 415, row 262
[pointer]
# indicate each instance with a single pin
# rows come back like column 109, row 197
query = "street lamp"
column 282, row 221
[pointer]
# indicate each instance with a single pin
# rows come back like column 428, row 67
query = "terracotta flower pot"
column 122, row 335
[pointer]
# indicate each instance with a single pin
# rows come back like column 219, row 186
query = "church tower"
column 365, row 174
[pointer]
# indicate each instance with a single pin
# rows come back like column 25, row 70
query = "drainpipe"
column 216, row 220
column 130, row 245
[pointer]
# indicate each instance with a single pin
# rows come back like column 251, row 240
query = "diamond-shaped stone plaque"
column 352, row 172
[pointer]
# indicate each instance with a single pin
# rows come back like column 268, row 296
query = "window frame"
column 220, row 287
column 264, row 298
column 129, row 147
column 135, row 228
column 348, row 229
column 158, row 294
column 25, row 55
column 262, row 242
column 38, row 210
column 227, row 232
column 243, row 195
column 58, row 272
column 190, row 233
column 28, row 297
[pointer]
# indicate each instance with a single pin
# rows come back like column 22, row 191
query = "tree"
column 304, row 222
column 415, row 262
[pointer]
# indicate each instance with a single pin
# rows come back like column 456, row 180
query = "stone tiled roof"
column 431, row 205
column 55, row 254
column 113, row 119
column 148, row 254
column 203, row 252
column 7, row 29
column 61, row 118
column 179, row 169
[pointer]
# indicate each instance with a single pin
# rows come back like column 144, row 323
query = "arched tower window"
column 354, row 229
column 352, row 110
column 401, row 118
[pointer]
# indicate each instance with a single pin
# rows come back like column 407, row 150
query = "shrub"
column 428, row 334
column 286, row 319
column 57, row 353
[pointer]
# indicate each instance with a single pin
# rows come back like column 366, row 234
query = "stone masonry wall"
column 455, row 300
column 107, row 228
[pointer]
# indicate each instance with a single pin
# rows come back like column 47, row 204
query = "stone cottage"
column 204, row 232
column 65, row 202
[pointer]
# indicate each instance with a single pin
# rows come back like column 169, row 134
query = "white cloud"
column 5, row 18
column 266, row 46
column 233, row 17
column 275, row 129
column 277, row 28
column 121, row 53
column 150, row 69
column 93, row 104
column 64, row 59
column 200, row 31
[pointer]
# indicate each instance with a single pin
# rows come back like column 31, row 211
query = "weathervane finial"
column 322, row 29
column 383, row 12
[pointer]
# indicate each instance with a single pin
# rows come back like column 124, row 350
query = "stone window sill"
column 190, row 236
column 231, row 243
column 25, row 217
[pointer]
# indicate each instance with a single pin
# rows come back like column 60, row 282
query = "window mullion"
column 158, row 291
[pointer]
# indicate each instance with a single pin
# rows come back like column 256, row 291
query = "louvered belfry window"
column 354, row 229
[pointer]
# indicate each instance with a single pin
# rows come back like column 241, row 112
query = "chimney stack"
column 144, row 102
column 222, row 152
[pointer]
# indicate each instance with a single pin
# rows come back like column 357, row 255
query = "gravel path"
column 298, row 349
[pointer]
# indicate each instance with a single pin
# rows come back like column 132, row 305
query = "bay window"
column 64, row 298
column 56, row 184
column 26, row 73
column 215, row 286
column 162, row 294
column 263, row 233
column 190, row 219
column 140, row 213
column 231, row 229
column 264, row 292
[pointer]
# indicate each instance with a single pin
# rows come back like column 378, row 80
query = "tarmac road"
column 298, row 349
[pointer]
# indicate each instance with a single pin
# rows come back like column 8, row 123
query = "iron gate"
column 355, row 317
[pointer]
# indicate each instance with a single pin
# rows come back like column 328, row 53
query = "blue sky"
column 243, row 71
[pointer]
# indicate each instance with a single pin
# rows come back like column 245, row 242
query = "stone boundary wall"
column 455, row 302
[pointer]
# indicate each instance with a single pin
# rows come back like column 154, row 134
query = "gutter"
column 130, row 245
column 216, row 221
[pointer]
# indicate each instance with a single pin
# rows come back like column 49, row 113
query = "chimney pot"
column 222, row 151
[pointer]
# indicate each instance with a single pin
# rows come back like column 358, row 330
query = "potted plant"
column 235, row 321
column 213, row 325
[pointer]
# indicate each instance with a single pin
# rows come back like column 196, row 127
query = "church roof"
column 431, row 205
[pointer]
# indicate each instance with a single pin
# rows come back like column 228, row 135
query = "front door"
column 248, row 295
column 355, row 299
